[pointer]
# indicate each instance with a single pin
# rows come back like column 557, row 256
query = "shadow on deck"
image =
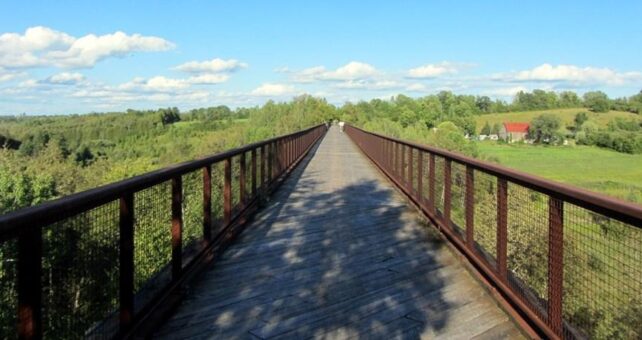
column 337, row 253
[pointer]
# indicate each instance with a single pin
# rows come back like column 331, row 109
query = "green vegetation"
column 566, row 116
column 42, row 158
column 592, row 168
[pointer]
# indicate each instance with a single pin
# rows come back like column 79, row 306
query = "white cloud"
column 435, row 70
column 7, row 75
column 215, row 65
column 208, row 79
column 571, row 74
column 369, row 84
column 269, row 90
column 353, row 70
column 504, row 91
column 65, row 78
column 416, row 87
column 43, row 46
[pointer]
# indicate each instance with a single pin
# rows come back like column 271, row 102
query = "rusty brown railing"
column 566, row 262
column 100, row 263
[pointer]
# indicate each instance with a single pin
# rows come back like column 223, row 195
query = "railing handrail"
column 56, row 210
column 621, row 210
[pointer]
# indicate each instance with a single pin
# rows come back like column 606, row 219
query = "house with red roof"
column 513, row 132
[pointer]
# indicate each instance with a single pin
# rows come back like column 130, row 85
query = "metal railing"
column 98, row 263
column 568, row 262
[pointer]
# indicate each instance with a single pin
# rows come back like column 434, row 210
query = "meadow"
column 601, row 170
column 566, row 116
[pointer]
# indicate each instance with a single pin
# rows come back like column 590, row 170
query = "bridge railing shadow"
column 337, row 262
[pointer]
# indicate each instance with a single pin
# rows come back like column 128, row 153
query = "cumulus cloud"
column 6, row 75
column 273, row 90
column 353, row 70
column 571, row 74
column 505, row 91
column 369, row 84
column 65, row 78
column 416, row 87
column 435, row 70
column 43, row 46
column 215, row 65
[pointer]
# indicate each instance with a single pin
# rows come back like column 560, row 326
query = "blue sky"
column 75, row 57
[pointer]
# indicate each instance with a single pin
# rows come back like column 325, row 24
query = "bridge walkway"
column 337, row 253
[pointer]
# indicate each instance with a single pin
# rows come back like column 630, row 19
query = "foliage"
column 545, row 129
column 596, row 101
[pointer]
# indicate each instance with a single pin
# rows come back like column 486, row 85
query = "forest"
column 46, row 157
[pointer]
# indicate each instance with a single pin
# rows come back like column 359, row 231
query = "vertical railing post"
column 227, row 192
column 555, row 263
column 242, row 175
column 271, row 164
column 402, row 170
column 126, row 258
column 411, row 188
column 447, row 190
column 502, row 227
column 177, row 226
column 431, row 182
column 253, row 155
column 263, row 165
column 470, row 206
column 207, row 203
column 30, row 283
column 420, row 177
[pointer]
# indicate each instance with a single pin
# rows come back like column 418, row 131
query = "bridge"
column 325, row 234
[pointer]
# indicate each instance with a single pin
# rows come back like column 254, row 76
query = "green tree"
column 545, row 129
column 580, row 119
column 597, row 101
column 486, row 129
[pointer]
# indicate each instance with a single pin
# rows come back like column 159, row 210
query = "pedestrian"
column 341, row 124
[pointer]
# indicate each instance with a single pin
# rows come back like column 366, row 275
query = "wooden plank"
column 336, row 249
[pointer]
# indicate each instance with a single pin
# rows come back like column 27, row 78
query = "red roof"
column 516, row 127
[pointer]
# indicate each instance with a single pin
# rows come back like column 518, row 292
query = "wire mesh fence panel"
column 236, row 194
column 602, row 276
column 458, row 198
column 192, row 214
column 80, row 274
column 414, row 169
column 527, row 247
column 439, row 184
column 485, row 228
column 425, row 187
column 152, row 240
column 8, row 282
column 218, row 184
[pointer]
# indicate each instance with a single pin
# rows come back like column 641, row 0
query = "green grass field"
column 566, row 115
column 609, row 172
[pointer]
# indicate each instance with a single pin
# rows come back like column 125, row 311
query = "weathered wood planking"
column 336, row 253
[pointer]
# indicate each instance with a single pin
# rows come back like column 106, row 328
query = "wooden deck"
column 338, row 254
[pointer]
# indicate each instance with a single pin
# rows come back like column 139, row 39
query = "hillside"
column 566, row 116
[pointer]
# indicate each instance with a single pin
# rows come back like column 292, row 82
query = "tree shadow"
column 328, row 257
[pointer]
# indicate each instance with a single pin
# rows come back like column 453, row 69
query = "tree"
column 496, row 128
column 545, row 129
column 597, row 101
column 169, row 115
column 486, row 129
column 483, row 103
column 580, row 118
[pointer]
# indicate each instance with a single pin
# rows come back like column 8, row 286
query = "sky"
column 63, row 57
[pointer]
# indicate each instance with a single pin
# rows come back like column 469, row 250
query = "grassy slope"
column 613, row 173
column 566, row 115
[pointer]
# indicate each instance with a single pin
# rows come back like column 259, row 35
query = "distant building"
column 513, row 132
